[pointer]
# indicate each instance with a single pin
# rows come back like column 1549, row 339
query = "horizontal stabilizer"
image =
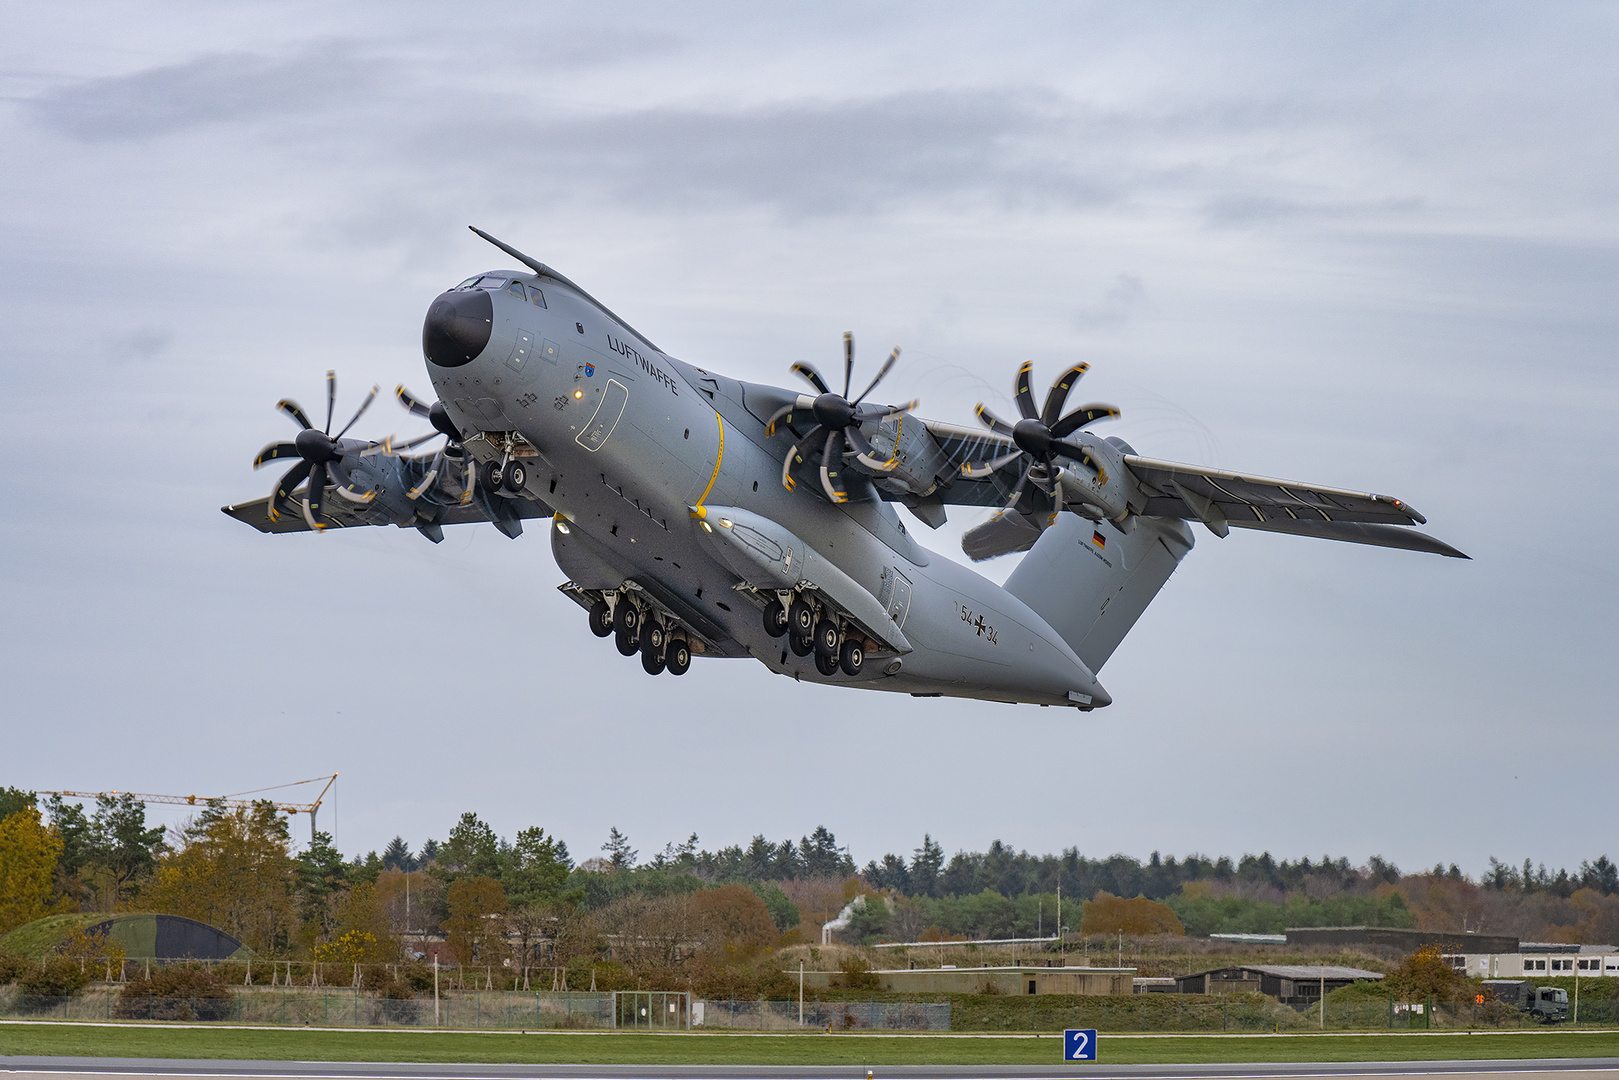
column 1005, row 532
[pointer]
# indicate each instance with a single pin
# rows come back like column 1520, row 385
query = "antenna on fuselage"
column 533, row 264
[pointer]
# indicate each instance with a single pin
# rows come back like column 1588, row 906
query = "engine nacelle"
column 905, row 456
column 1100, row 482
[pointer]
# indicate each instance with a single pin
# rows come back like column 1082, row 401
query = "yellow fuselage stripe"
column 719, row 456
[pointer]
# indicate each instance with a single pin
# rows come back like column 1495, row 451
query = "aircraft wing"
column 1219, row 498
column 256, row 514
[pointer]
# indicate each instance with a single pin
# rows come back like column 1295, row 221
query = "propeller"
column 321, row 458
column 436, row 415
column 837, row 422
column 1041, row 435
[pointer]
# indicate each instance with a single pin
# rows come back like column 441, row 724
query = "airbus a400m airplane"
column 698, row 515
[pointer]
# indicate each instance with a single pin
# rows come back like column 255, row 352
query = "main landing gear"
column 640, row 630
column 835, row 648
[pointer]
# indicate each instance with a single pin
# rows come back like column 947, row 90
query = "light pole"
column 800, row 991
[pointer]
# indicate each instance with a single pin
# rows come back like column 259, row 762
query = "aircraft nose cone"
column 458, row 327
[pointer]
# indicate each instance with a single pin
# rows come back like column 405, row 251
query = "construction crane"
column 233, row 802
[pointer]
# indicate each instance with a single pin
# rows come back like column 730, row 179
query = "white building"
column 1537, row 959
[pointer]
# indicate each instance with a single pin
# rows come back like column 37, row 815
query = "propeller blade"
column 337, row 474
column 331, row 399
column 1024, row 391
column 316, row 494
column 427, row 481
column 983, row 469
column 848, row 362
column 813, row 377
column 993, row 422
column 290, row 407
column 1070, row 450
column 795, row 455
column 276, row 450
column 410, row 401
column 832, row 467
column 857, row 440
column 472, row 481
column 872, row 412
column 888, row 365
column 1017, row 488
column 1083, row 416
column 783, row 415
column 357, row 497
column 1058, row 395
column 364, row 405
column 283, row 488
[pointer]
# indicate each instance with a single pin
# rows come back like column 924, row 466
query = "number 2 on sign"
column 1079, row 1044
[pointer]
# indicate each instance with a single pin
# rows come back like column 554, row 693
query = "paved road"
column 64, row 1068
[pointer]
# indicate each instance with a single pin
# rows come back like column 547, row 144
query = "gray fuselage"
column 629, row 441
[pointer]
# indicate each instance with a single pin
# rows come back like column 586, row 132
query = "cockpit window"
column 491, row 282
column 468, row 283
column 516, row 289
column 536, row 297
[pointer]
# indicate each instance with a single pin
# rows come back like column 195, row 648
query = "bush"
column 856, row 975
column 57, row 977
column 176, row 993
column 11, row 969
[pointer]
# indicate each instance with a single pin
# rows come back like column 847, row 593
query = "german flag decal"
column 1098, row 539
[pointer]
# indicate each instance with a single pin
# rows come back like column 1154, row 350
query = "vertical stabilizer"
column 1091, row 582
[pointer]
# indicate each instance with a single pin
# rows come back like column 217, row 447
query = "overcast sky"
column 1373, row 246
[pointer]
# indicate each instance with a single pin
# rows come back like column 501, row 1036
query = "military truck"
column 1547, row 1004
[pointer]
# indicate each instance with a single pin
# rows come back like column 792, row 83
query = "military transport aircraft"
column 697, row 515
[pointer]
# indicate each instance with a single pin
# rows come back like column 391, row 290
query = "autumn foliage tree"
column 1140, row 917
column 734, row 921
column 233, row 870
column 473, row 931
column 28, row 855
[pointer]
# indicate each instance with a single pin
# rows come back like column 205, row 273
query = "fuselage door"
column 605, row 419
column 895, row 595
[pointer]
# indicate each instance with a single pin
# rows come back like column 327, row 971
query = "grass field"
column 81, row 1040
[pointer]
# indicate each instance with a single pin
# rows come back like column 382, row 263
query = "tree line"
column 241, row 871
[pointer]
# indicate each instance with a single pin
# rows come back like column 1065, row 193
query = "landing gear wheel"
column 677, row 657
column 654, row 636
column 826, row 665
column 801, row 644
column 601, row 618
column 826, row 638
column 651, row 662
column 627, row 628
column 775, row 619
column 492, row 475
column 801, row 620
column 516, row 476
column 852, row 657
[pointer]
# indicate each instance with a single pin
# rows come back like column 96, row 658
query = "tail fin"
column 1092, row 582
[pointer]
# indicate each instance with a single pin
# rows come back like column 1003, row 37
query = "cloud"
column 804, row 159
column 218, row 88
column 1123, row 300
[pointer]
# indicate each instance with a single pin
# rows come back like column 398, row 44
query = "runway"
column 66, row 1068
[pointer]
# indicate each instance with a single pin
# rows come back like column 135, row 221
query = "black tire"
column 801, row 644
column 775, row 619
column 826, row 638
column 651, row 662
column 677, row 657
column 654, row 636
column 627, row 629
column 826, row 665
column 852, row 657
column 516, row 476
column 801, row 619
column 601, row 619
column 491, row 474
